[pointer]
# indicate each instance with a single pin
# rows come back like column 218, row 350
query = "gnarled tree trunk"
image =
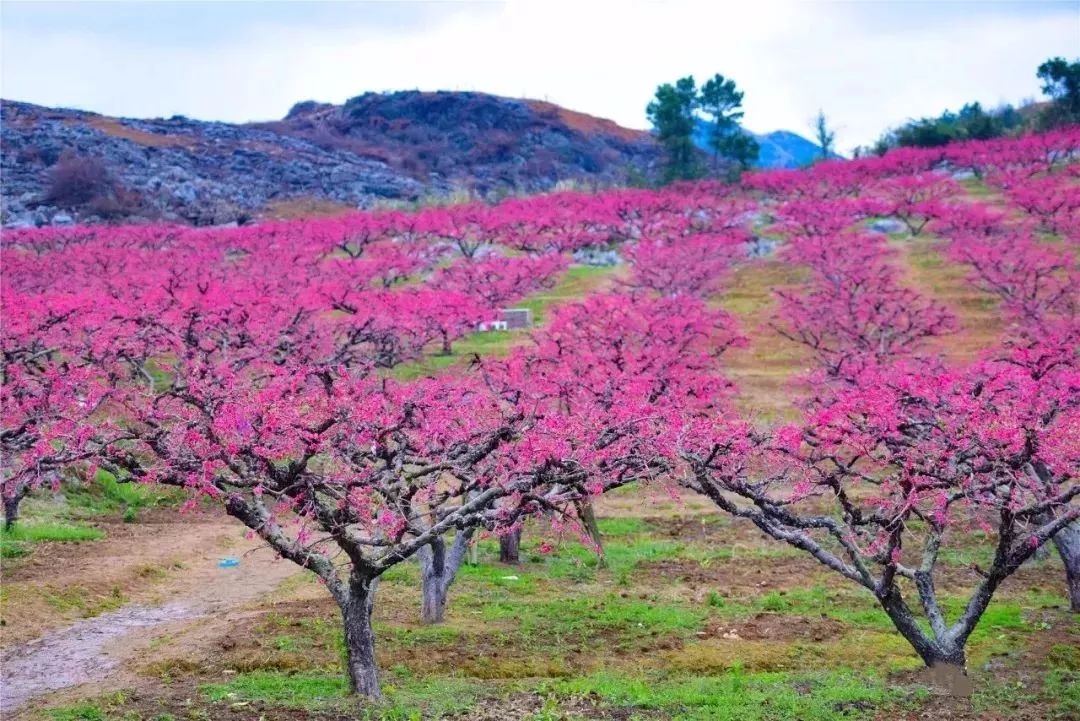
column 438, row 568
column 356, row 604
column 933, row 651
column 13, row 496
column 1067, row 542
column 510, row 547
column 588, row 519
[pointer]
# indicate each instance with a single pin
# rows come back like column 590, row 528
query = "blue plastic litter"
column 228, row 562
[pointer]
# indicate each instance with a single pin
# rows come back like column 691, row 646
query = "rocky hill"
column 62, row 166
column 778, row 149
column 785, row 149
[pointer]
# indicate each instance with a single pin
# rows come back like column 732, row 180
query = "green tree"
column 975, row 123
column 826, row 137
column 1061, row 83
column 928, row 132
column 720, row 100
column 740, row 147
column 672, row 115
column 972, row 122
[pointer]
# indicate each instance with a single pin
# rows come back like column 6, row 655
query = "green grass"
column 625, row 526
column 1063, row 686
column 83, row 712
column 516, row 582
column 977, row 188
column 493, row 343
column 17, row 541
column 1065, row 658
column 587, row 622
column 1060, row 692
column 737, row 696
column 108, row 496
column 733, row 695
column 57, row 518
column 101, row 710
column 577, row 282
column 406, row 698
column 574, row 561
column 857, row 608
column 301, row 690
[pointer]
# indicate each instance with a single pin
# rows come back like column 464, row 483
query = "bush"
column 83, row 181
column 77, row 179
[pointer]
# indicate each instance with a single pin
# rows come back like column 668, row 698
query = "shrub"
column 77, row 179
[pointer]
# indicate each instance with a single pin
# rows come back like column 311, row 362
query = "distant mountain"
column 63, row 166
column 779, row 149
column 785, row 149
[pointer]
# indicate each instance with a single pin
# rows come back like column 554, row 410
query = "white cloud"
column 866, row 66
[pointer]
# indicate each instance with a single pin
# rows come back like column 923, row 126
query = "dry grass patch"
column 113, row 127
column 303, row 207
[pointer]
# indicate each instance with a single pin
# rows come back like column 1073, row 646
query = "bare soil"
column 184, row 594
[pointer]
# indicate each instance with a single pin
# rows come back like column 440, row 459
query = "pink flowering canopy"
column 262, row 366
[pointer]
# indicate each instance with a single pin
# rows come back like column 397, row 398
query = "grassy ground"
column 67, row 515
column 19, row 541
column 693, row 617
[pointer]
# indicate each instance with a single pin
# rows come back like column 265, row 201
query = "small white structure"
column 517, row 318
column 512, row 319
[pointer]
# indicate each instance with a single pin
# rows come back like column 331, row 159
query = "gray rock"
column 597, row 257
column 62, row 219
column 761, row 247
column 887, row 226
column 16, row 222
column 185, row 192
column 342, row 175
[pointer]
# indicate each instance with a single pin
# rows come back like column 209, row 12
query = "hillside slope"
column 376, row 146
column 63, row 166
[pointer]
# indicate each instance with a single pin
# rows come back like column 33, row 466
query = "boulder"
column 886, row 226
column 598, row 257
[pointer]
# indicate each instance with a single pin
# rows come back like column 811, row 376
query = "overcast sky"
column 869, row 65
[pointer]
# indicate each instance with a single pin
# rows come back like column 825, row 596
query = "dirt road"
column 167, row 573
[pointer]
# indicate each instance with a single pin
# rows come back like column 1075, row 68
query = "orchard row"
column 250, row 365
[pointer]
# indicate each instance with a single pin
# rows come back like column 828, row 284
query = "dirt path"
column 189, row 600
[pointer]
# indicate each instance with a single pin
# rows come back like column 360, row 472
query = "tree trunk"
column 433, row 601
column 359, row 636
column 11, row 504
column 432, row 581
column 1067, row 541
column 934, row 652
column 588, row 519
column 510, row 547
column 438, row 568
column 11, row 511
